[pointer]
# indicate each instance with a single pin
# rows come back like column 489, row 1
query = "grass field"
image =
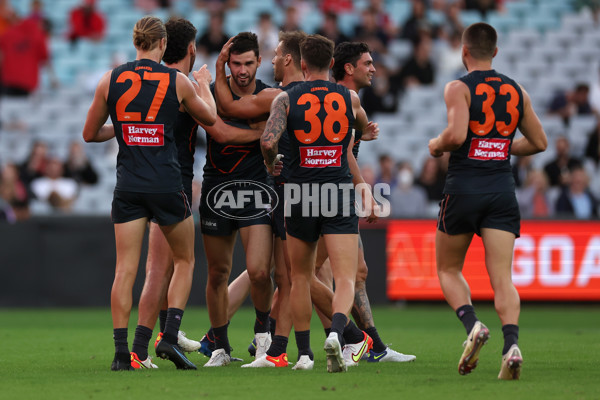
column 66, row 354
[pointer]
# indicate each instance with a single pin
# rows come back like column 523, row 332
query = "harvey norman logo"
column 320, row 156
column 489, row 149
column 144, row 134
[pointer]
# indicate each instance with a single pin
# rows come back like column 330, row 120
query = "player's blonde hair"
column 147, row 32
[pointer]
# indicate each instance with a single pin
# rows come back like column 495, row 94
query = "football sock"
column 261, row 323
column 378, row 345
column 272, row 325
column 303, row 343
column 352, row 334
column 172, row 324
column 327, row 332
column 162, row 318
column 221, row 339
column 120, row 338
column 338, row 323
column 467, row 316
column 278, row 346
column 511, row 336
column 141, row 340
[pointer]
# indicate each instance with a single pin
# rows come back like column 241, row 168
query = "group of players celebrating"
column 305, row 132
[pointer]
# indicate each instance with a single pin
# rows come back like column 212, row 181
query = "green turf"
column 66, row 354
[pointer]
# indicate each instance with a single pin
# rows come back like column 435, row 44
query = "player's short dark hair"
column 243, row 42
column 290, row 44
column 317, row 51
column 347, row 53
column 180, row 33
column 480, row 39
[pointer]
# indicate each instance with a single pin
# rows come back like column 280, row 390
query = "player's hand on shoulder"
column 371, row 132
column 202, row 76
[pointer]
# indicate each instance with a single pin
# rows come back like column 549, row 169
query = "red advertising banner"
column 552, row 260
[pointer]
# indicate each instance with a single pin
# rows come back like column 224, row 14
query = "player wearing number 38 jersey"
column 484, row 110
column 318, row 116
column 142, row 98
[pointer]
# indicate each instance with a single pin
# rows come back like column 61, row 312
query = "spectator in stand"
column 559, row 169
column 14, row 192
column 594, row 96
column 213, row 39
column 290, row 22
column 378, row 98
column 407, row 200
column 483, row 6
column 453, row 22
column 23, row 51
column 592, row 147
column 433, row 178
column 331, row 30
column 418, row 69
column 592, row 160
column 78, row 167
column 416, row 23
column 216, row 6
column 533, row 197
column 387, row 174
column 371, row 33
column 368, row 174
column 86, row 22
column 569, row 103
column 149, row 6
column 35, row 164
column 268, row 35
column 337, row 6
column 449, row 62
column 383, row 18
column 7, row 15
column 576, row 200
column 53, row 188
column 521, row 169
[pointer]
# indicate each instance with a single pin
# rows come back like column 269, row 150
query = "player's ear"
column 259, row 61
column 348, row 68
column 288, row 59
column 495, row 52
column 331, row 63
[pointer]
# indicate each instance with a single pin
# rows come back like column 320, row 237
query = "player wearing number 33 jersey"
column 484, row 110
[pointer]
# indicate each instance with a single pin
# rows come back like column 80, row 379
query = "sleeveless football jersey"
column 232, row 161
column 143, row 107
column 482, row 163
column 319, row 127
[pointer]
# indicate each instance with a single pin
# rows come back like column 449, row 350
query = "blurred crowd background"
column 53, row 52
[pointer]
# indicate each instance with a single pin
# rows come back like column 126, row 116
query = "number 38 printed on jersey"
column 335, row 124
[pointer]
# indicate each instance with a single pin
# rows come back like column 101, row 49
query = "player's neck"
column 178, row 66
column 242, row 91
column 479, row 65
column 349, row 83
column 154, row 55
column 293, row 76
column 316, row 75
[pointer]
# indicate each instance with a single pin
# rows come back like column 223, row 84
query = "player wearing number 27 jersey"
column 142, row 98
column 484, row 110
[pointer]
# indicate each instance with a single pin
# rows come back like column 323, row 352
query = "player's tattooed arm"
column 276, row 125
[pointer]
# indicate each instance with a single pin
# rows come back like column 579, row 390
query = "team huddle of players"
column 305, row 133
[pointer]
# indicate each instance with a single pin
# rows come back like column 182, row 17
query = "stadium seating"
column 545, row 44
